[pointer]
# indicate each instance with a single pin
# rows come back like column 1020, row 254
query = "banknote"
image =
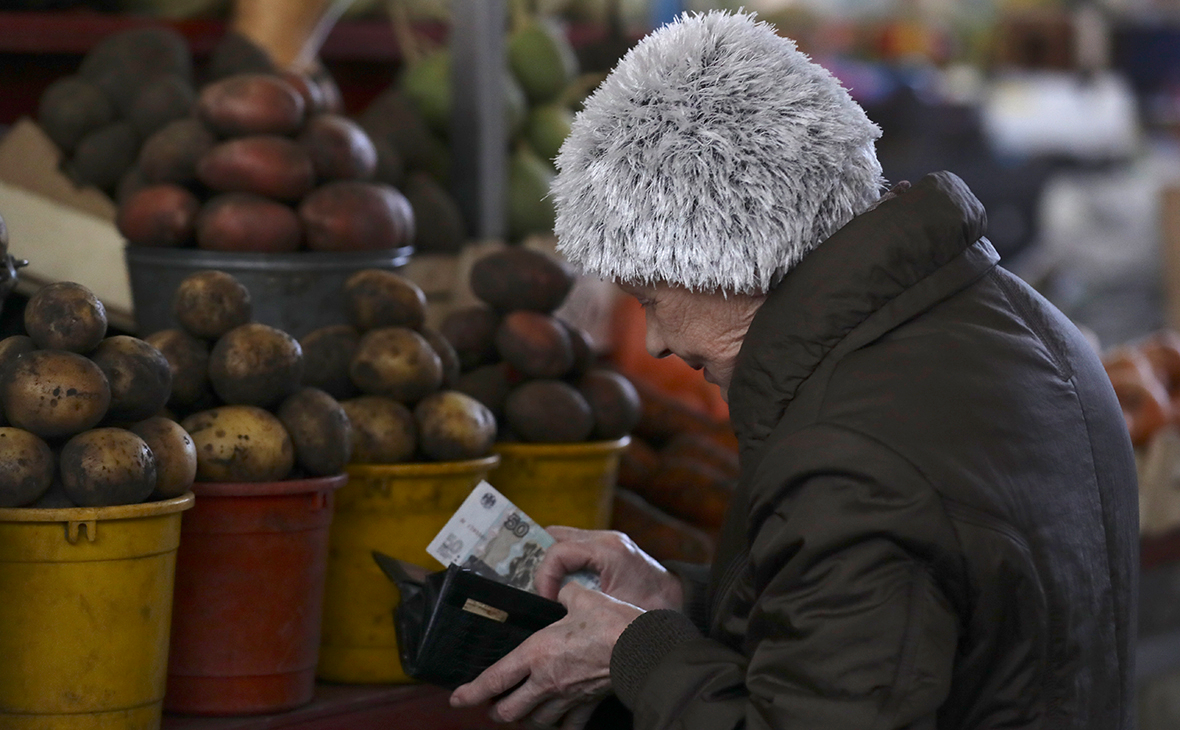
column 489, row 535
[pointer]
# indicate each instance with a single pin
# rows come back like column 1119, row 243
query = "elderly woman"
column 935, row 525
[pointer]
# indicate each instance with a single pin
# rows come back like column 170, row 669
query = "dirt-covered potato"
column 65, row 316
column 240, row 444
column 327, row 353
column 208, row 304
column 255, row 364
column 453, row 426
column 26, row 467
column 11, row 348
column 175, row 452
column 377, row 298
column 188, row 359
column 139, row 375
column 319, row 429
column 107, row 466
column 55, row 393
column 396, row 362
column 383, row 430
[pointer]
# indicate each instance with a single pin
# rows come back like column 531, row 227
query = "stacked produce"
column 395, row 375
column 676, row 478
column 410, row 124
column 1146, row 379
column 534, row 371
column 132, row 86
column 237, row 385
column 260, row 169
column 82, row 411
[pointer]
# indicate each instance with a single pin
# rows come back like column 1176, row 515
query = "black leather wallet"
column 453, row 624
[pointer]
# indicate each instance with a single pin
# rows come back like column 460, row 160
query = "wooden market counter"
column 353, row 707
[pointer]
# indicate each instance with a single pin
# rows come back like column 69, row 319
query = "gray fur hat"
column 714, row 156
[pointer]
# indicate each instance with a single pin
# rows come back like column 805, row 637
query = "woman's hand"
column 627, row 573
column 565, row 666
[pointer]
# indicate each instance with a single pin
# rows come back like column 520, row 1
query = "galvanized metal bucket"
column 296, row 292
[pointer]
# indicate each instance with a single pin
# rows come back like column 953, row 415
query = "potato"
column 10, row 349
column 488, row 384
column 313, row 95
column 376, row 298
column 208, row 304
column 160, row 101
column 274, row 167
column 383, row 430
column 70, row 108
column 139, row 377
column 582, row 347
column 320, row 431
column 548, row 411
column 65, row 316
column 236, row 54
column 130, row 184
column 55, row 393
column 162, row 215
column 107, row 466
column 251, row 104
column 536, row 344
column 520, row 278
column 398, row 363
column 26, row 467
column 472, row 332
column 613, row 401
column 175, row 453
column 339, row 148
column 446, row 353
column 102, row 156
column 248, row 222
column 453, row 426
column 256, row 365
column 350, row 215
column 172, row 153
column 240, row 444
column 188, row 359
column 327, row 354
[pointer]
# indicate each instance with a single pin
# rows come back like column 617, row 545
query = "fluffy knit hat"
column 714, row 156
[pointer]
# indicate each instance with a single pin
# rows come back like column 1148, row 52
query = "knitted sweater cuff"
column 642, row 646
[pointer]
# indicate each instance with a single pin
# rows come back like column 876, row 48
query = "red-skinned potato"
column 275, row 167
column 339, row 148
column 248, row 222
column 251, row 104
column 159, row 215
column 350, row 215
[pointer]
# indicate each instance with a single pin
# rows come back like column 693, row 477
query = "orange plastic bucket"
column 249, row 597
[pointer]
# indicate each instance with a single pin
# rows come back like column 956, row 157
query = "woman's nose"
column 654, row 343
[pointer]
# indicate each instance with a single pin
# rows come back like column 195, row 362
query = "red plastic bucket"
column 249, row 597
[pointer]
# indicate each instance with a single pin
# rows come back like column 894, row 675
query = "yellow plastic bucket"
column 561, row 484
column 85, row 614
column 396, row 509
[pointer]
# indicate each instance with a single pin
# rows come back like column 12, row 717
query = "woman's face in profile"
column 704, row 329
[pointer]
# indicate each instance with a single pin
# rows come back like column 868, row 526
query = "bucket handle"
column 90, row 527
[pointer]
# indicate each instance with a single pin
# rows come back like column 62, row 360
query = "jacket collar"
column 856, row 272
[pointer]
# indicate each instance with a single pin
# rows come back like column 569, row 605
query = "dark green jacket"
column 936, row 523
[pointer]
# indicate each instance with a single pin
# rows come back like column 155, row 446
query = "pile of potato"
column 83, row 411
column 237, row 386
column 261, row 168
column 394, row 376
column 133, row 85
column 534, row 371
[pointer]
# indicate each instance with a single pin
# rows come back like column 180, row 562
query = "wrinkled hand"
column 627, row 573
column 565, row 666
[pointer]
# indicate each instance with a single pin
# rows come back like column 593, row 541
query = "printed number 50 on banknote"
column 490, row 536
